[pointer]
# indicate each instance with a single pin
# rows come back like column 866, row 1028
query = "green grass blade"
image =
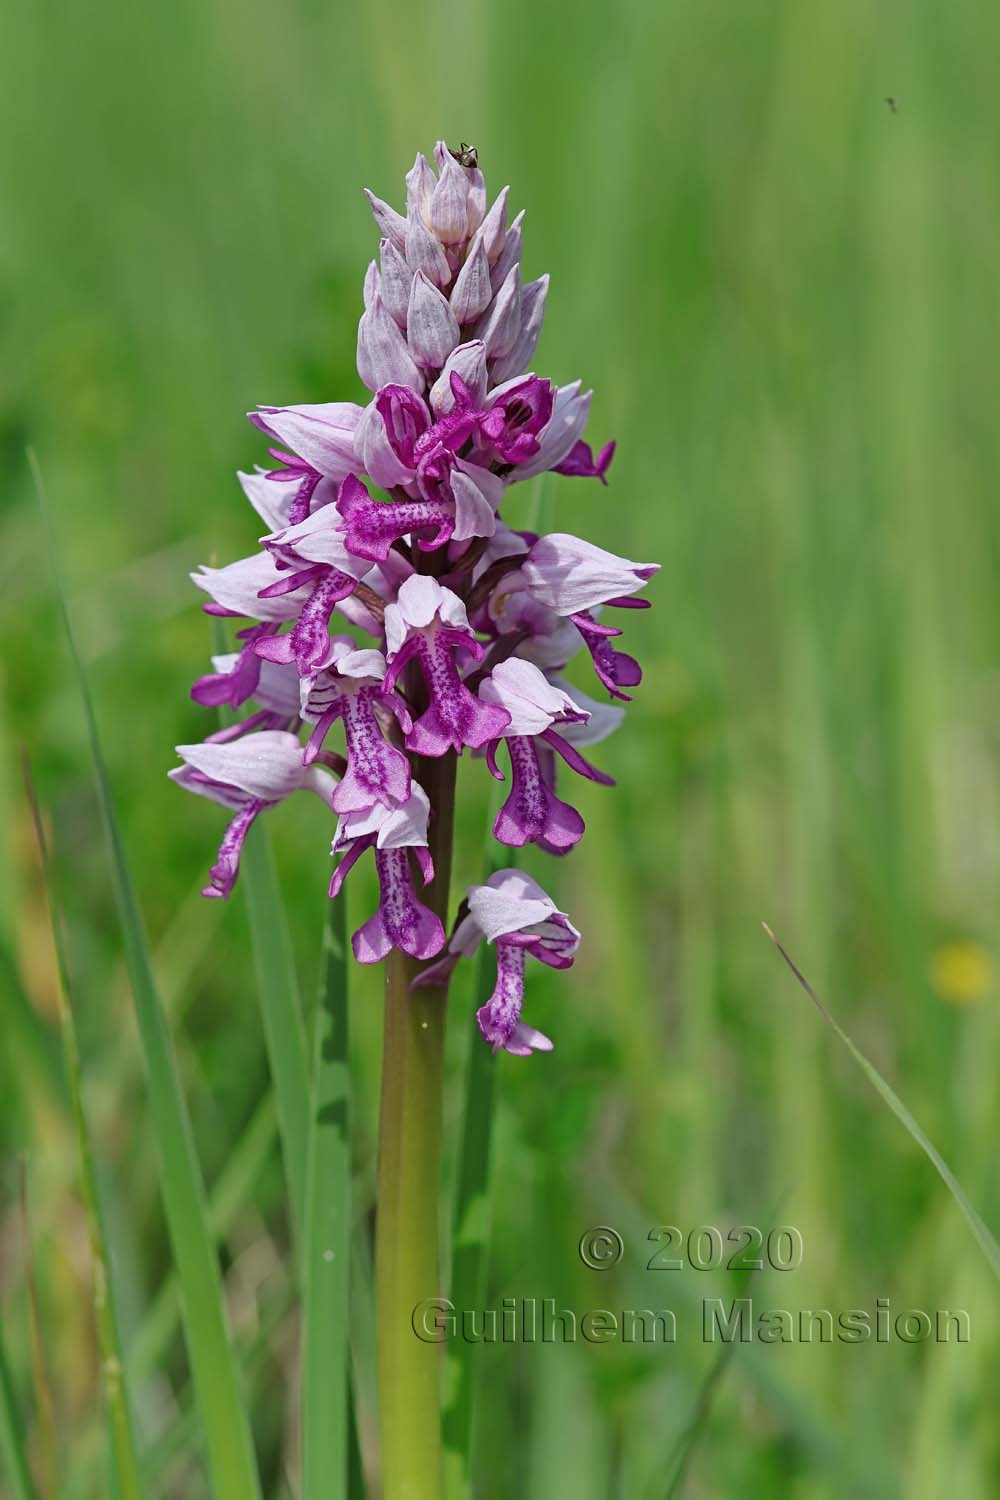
column 48, row 1444
column 12, row 1429
column 470, row 1239
column 26, row 1036
column 234, row 1187
column 180, row 1437
column 355, row 1467
column 983, row 1237
column 122, row 1434
column 280, row 1002
column 471, row 1213
column 677, row 1465
column 543, row 504
column 281, row 1015
column 328, row 1228
column 228, row 1444
column 668, row 1485
column 362, row 1331
column 806, row 1421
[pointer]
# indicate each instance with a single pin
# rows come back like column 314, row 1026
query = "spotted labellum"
column 391, row 616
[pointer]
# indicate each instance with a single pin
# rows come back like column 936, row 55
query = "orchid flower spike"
column 392, row 618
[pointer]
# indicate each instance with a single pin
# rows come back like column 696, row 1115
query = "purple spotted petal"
column 401, row 921
column 376, row 770
column 308, row 643
column 499, row 1020
column 223, row 874
column 532, row 812
column 455, row 716
column 371, row 527
column 616, row 669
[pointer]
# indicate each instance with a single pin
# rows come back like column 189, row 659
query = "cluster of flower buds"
column 453, row 627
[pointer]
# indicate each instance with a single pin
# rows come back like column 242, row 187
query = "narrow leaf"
column 470, row 1241
column 281, row 1015
column 325, row 1385
column 234, row 1187
column 679, row 1459
column 471, row 1215
column 280, row 1003
column 47, row 1446
column 984, row 1238
column 12, row 1430
column 256, row 1350
column 126, row 1464
column 227, row 1434
column 355, row 1467
column 29, row 1043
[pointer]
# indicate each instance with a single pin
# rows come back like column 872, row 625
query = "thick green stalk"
column 407, row 1268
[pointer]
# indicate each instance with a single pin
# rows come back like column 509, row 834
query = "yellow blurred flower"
column 962, row 972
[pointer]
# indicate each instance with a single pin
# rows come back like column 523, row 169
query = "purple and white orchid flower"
column 276, row 692
column 429, row 624
column 401, row 920
column 533, row 813
column 351, row 689
column 247, row 776
column 513, row 912
column 322, row 440
column 313, row 557
column 571, row 578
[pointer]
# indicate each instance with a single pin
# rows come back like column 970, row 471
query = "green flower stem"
column 407, row 1268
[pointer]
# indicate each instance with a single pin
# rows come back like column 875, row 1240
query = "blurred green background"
column 784, row 294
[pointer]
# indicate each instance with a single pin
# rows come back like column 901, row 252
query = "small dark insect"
column 466, row 155
column 892, row 103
